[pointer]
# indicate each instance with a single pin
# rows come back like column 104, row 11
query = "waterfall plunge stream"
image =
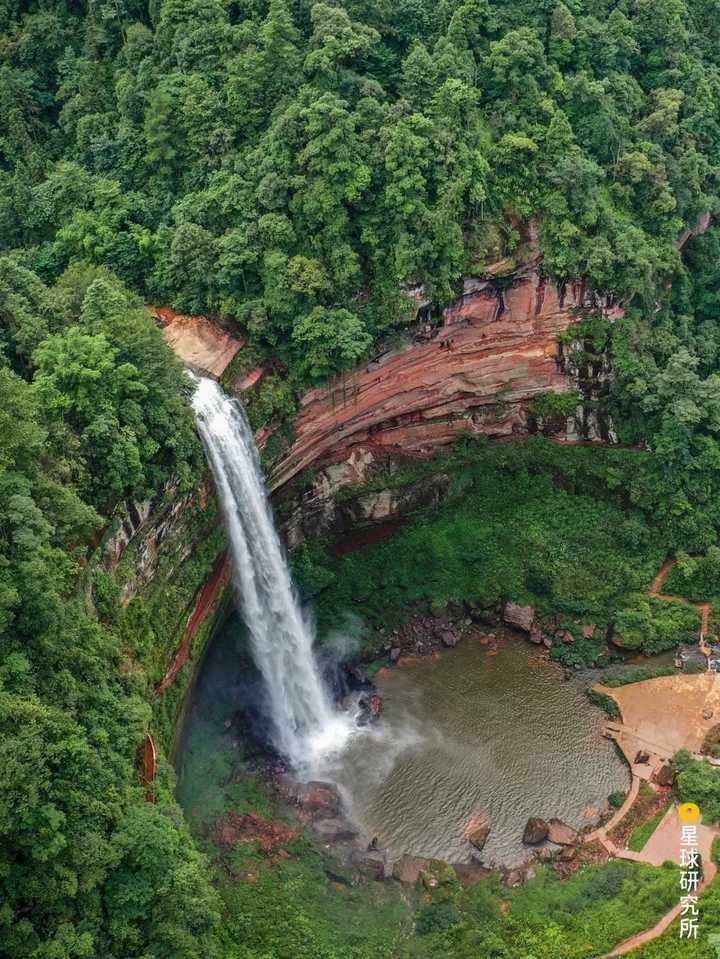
column 307, row 729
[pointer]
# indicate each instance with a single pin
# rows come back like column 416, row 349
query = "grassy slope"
column 529, row 521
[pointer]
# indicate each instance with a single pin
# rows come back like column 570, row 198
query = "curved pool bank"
column 482, row 729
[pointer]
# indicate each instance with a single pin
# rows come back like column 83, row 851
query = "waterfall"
column 306, row 727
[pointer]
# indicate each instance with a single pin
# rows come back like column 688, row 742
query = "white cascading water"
column 306, row 727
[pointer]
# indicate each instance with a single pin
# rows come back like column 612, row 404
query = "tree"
column 329, row 340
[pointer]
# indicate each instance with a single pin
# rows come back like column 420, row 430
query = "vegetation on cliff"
column 559, row 528
column 92, row 410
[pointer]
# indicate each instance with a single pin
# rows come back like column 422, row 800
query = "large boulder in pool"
column 536, row 831
column 477, row 831
column 521, row 617
column 560, row 833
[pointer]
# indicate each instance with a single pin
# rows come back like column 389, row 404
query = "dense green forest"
column 295, row 165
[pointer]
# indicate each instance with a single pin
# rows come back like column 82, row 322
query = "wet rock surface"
column 334, row 830
column 477, row 831
column 409, row 868
column 536, row 831
column 521, row 617
column 562, row 834
column 313, row 799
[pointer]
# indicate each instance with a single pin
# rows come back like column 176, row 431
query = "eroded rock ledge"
column 496, row 350
column 199, row 341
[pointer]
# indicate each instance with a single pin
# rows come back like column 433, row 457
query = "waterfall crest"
column 306, row 726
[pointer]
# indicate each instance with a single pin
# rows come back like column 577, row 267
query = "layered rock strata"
column 496, row 350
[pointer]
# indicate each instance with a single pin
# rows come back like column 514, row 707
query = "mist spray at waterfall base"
column 307, row 728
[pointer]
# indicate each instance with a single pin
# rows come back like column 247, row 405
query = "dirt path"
column 705, row 609
column 601, row 833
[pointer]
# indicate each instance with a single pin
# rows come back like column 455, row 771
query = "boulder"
column 536, row 831
column 618, row 640
column 409, row 868
column 369, row 708
column 318, row 797
column 471, row 873
column 562, row 834
column 521, row 617
column 395, row 654
column 536, row 636
column 665, row 776
column 334, row 830
column 448, row 638
column 372, row 861
column 315, row 799
column 567, row 854
column 486, row 617
column 477, row 832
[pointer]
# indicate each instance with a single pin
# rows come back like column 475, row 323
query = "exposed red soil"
column 269, row 836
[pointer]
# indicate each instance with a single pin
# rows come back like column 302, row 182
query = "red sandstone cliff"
column 201, row 343
column 494, row 352
column 496, row 349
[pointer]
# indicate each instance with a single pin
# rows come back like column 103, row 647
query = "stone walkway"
column 663, row 846
column 693, row 704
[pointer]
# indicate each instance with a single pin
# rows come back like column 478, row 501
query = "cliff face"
column 496, row 349
column 160, row 569
column 201, row 343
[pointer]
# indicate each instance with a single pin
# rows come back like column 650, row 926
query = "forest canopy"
column 293, row 164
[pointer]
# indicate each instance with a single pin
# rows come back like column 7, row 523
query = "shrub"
column 436, row 917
